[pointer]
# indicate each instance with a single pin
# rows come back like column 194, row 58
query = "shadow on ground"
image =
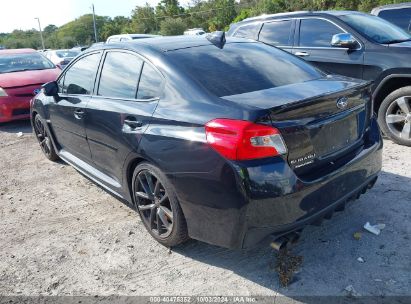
column 330, row 252
column 16, row 126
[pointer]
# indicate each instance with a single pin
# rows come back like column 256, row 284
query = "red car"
column 22, row 72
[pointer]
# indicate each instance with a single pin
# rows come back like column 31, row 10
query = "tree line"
column 170, row 18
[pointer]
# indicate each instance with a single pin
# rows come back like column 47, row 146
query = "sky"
column 20, row 14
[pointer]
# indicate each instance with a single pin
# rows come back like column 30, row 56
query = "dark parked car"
column 399, row 14
column 349, row 43
column 224, row 143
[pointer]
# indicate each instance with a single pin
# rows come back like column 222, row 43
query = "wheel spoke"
column 162, row 216
column 163, row 199
column 145, row 187
column 149, row 180
column 167, row 212
column 403, row 104
column 406, row 131
column 43, row 142
column 157, row 188
column 146, row 207
column 143, row 195
column 394, row 118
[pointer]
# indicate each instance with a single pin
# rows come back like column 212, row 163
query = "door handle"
column 302, row 54
column 79, row 113
column 132, row 123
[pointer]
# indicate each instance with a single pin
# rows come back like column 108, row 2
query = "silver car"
column 61, row 58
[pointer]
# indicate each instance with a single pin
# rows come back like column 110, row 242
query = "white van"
column 128, row 37
column 195, row 32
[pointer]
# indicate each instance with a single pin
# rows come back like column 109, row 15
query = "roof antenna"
column 217, row 38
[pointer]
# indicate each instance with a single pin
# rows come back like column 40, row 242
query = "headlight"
column 3, row 93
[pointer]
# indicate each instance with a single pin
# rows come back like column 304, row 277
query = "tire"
column 394, row 116
column 43, row 137
column 156, row 201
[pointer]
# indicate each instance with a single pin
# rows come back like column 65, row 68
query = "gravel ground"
column 62, row 235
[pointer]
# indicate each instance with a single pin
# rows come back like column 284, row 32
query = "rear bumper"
column 271, row 199
column 14, row 108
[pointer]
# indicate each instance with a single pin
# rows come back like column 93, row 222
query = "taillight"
column 242, row 140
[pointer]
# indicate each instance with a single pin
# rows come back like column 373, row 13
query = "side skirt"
column 95, row 175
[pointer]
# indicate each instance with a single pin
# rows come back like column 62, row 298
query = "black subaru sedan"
column 223, row 141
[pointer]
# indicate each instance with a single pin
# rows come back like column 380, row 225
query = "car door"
column 68, row 111
column 314, row 37
column 121, row 109
column 278, row 33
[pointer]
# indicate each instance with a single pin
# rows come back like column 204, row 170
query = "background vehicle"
column 128, row 37
column 352, row 44
column 61, row 58
column 398, row 14
column 22, row 72
column 195, row 32
column 247, row 142
column 79, row 48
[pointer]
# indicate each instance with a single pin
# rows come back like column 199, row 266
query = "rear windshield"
column 242, row 67
column 24, row 62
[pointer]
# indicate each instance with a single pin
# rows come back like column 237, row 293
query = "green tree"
column 118, row 25
column 143, row 20
column 172, row 26
column 224, row 14
column 168, row 8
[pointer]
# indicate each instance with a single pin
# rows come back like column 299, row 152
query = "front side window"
column 317, row 32
column 249, row 31
column 376, row 29
column 242, row 67
column 150, row 83
column 400, row 17
column 276, row 33
column 119, row 76
column 79, row 78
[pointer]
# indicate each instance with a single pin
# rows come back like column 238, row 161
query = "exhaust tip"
column 283, row 241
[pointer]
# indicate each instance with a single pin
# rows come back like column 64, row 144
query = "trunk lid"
column 320, row 120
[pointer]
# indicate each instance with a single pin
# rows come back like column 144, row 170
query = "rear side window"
column 150, row 83
column 242, row 67
column 249, row 31
column 119, row 76
column 400, row 17
column 79, row 79
column 276, row 33
column 317, row 32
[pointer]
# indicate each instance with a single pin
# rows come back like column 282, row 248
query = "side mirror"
column 50, row 88
column 344, row 40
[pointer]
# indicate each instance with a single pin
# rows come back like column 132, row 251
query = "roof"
column 17, row 51
column 300, row 14
column 378, row 9
column 167, row 43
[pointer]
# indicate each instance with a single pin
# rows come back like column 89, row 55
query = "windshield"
column 65, row 54
column 242, row 67
column 376, row 29
column 24, row 62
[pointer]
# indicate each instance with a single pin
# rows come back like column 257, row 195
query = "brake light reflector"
column 244, row 140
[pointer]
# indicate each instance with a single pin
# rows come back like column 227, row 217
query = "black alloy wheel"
column 43, row 138
column 157, row 204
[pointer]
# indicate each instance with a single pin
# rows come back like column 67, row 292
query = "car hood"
column 24, row 78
